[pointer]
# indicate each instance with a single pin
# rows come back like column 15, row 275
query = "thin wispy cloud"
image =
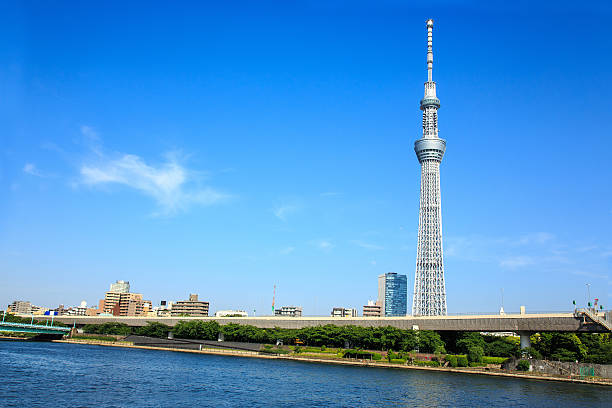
column 282, row 212
column 514, row 262
column 367, row 245
column 323, row 244
column 92, row 140
column 287, row 250
column 538, row 238
column 30, row 168
column 170, row 183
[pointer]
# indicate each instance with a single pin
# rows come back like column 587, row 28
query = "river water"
column 70, row 375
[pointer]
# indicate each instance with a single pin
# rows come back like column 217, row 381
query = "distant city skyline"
column 222, row 150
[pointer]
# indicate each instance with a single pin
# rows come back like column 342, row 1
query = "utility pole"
column 588, row 285
column 273, row 296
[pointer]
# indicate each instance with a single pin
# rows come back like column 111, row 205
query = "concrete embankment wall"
column 567, row 368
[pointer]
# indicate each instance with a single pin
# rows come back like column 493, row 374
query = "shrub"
column 462, row 361
column 452, row 360
column 108, row 328
column 475, row 364
column 494, row 360
column 531, row 352
column 376, row 356
column 322, row 348
column 431, row 363
column 523, row 365
column 98, row 338
column 275, row 351
column 475, row 354
column 397, row 361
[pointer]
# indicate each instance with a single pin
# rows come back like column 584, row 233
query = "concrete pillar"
column 525, row 340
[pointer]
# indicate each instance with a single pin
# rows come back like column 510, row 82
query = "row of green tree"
column 586, row 347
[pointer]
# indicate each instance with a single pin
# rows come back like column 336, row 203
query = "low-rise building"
column 231, row 313
column 191, row 307
column 20, row 307
column 92, row 311
column 343, row 312
column 372, row 309
column 39, row 310
column 164, row 309
column 289, row 311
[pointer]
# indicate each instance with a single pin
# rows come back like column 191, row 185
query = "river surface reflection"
column 69, row 375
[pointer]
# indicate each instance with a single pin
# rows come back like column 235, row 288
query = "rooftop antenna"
column 429, row 50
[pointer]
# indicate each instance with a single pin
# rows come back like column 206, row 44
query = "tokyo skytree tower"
column 429, row 291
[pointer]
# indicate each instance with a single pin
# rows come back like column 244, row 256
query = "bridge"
column 34, row 328
column 578, row 321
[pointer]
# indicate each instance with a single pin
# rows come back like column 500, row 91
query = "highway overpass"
column 579, row 321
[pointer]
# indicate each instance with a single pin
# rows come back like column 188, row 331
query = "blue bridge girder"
column 32, row 328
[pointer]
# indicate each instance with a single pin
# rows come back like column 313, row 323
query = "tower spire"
column 429, row 50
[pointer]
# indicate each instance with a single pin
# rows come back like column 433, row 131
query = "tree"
column 560, row 346
column 501, row 347
column 153, row 329
column 523, row 365
column 531, row 352
column 430, row 342
column 468, row 340
column 599, row 347
column 475, row 354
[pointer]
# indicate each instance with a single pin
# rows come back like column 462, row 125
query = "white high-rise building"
column 429, row 289
column 120, row 287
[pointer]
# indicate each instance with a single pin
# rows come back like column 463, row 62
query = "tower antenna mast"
column 429, row 289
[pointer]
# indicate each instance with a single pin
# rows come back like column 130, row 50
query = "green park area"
column 456, row 349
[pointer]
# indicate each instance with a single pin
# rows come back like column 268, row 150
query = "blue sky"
column 221, row 149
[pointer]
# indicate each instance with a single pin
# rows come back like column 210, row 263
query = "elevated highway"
column 561, row 322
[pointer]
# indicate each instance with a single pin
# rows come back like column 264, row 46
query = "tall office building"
column 429, row 290
column 392, row 294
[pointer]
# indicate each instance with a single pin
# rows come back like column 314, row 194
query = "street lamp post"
column 588, row 285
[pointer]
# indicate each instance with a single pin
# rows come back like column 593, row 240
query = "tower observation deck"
column 429, row 290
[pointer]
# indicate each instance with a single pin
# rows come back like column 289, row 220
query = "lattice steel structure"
column 429, row 290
